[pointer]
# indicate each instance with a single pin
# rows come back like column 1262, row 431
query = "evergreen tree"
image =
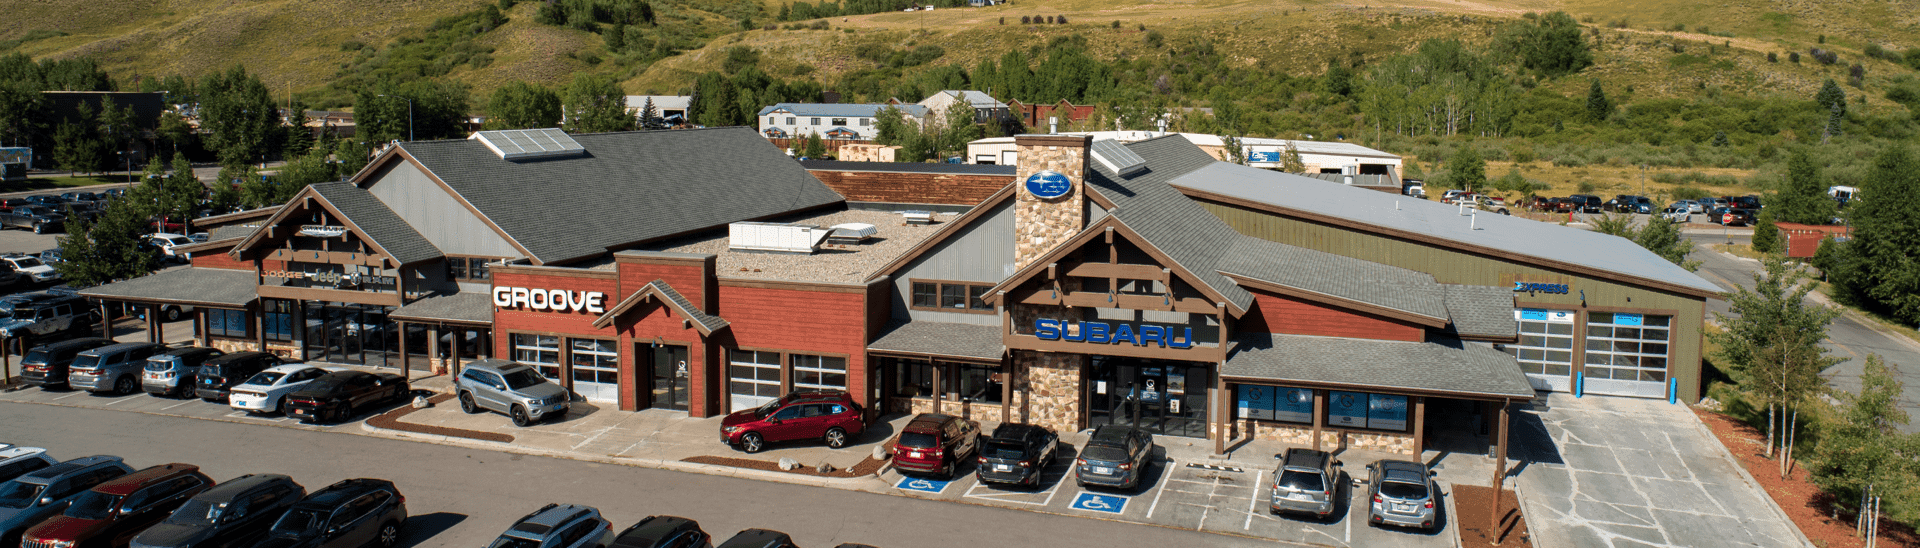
column 1766, row 237
column 1886, row 234
column 650, row 116
column 238, row 117
column 1291, row 162
column 1831, row 97
column 352, row 155
column 815, row 148
column 1664, row 239
column 1720, row 139
column 108, row 248
column 1598, row 107
column 1552, row 45
column 596, row 104
column 1803, row 198
column 75, row 150
column 520, row 105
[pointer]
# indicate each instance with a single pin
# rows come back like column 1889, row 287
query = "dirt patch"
column 866, row 467
column 1811, row 509
column 391, row 421
column 1472, row 503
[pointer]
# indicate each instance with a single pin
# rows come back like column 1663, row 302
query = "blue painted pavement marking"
column 1112, row 504
column 922, row 485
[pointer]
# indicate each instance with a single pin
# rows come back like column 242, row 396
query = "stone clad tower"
column 1055, row 166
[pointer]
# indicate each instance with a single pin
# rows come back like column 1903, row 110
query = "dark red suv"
column 827, row 415
column 934, row 444
column 113, row 512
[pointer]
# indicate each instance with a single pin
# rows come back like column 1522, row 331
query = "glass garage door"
column 1627, row 354
column 596, row 370
column 753, row 378
column 1545, row 349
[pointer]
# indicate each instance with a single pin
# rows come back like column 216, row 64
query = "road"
column 466, row 497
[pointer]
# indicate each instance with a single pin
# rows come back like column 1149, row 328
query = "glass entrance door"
column 669, row 373
column 1152, row 395
column 349, row 333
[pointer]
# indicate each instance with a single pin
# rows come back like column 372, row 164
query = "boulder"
column 880, row 452
column 823, row 468
column 421, row 402
column 788, row 464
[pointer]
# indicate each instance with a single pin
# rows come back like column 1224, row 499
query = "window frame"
column 278, row 317
column 472, row 269
column 225, row 317
column 799, row 369
column 839, row 122
column 970, row 302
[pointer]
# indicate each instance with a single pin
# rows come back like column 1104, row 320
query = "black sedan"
column 336, row 396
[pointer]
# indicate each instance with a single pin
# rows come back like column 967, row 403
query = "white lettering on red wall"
column 557, row 300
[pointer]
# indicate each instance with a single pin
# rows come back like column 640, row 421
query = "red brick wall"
column 1273, row 313
column 765, row 319
column 638, row 328
column 576, row 324
column 689, row 279
column 912, row 188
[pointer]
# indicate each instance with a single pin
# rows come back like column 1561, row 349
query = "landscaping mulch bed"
column 1471, row 504
column 391, row 421
column 865, row 468
column 1810, row 508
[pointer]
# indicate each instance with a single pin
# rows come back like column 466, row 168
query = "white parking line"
column 176, row 405
column 996, row 495
column 1254, row 499
column 76, row 393
column 123, row 399
column 1166, row 471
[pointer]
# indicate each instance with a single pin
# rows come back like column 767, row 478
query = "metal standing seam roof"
column 1511, row 234
column 937, row 339
column 378, row 223
column 1173, row 223
column 188, row 285
column 909, row 167
column 1481, row 311
column 867, row 110
column 1361, row 180
column 630, row 187
column 451, row 307
column 1448, row 366
column 1339, row 276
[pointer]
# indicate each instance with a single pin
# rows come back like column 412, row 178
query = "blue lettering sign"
column 1533, row 314
column 1628, row 319
column 1531, row 287
column 1046, row 330
column 1101, row 333
column 1263, row 156
column 1096, row 332
column 1184, row 342
column 1125, row 333
column 1150, row 335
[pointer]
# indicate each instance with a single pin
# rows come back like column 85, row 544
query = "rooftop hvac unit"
column 852, row 232
column 777, row 237
column 917, row 217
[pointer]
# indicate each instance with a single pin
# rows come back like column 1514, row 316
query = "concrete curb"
column 1748, row 477
column 1453, row 516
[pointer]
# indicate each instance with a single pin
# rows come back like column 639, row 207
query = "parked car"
column 114, row 369
column 1585, row 203
column 1496, row 205
column 31, row 267
column 45, row 314
column 27, row 500
column 1116, row 455
column 7, row 204
column 218, row 376
column 1748, row 202
column 335, row 396
column 759, row 538
column 936, row 444
column 348, row 514
column 266, row 391
column 172, row 373
column 233, row 514
column 111, row 513
column 558, row 526
column 1718, row 214
column 510, row 388
column 38, row 218
column 47, row 365
column 1402, row 493
column 1676, row 214
column 826, row 415
column 18, row 461
column 168, row 241
column 664, row 532
column 51, row 256
column 1307, row 481
column 1017, row 454
column 1736, row 216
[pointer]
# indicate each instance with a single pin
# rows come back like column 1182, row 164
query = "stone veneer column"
column 1039, row 225
column 1053, row 383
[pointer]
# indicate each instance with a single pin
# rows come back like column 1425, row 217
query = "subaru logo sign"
column 1048, row 184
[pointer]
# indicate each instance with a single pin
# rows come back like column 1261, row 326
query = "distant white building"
column 840, row 122
column 985, row 107
column 1315, row 156
column 672, row 108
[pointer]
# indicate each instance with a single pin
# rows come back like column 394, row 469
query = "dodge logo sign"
column 1048, row 184
column 557, row 300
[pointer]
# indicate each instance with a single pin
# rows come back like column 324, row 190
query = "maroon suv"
column 827, row 415
column 113, row 512
column 934, row 444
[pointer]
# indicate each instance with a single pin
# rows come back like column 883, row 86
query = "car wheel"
column 389, row 535
column 520, row 417
column 466, row 403
column 946, row 472
column 343, row 413
column 39, row 229
column 171, row 315
column 282, row 408
column 752, row 442
column 836, row 437
column 124, row 386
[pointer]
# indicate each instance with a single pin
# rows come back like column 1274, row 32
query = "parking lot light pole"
column 409, row 101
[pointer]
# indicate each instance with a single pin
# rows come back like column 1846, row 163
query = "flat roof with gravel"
column 834, row 262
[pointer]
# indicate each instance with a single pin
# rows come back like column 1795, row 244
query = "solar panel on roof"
column 516, row 144
column 1117, row 157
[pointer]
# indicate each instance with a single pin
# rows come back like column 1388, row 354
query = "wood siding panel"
column 912, row 188
column 1273, row 313
column 981, row 252
column 218, row 258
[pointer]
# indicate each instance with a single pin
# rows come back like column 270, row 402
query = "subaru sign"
column 1100, row 333
column 1049, row 184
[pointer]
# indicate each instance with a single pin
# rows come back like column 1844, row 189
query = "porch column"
column 1500, row 466
column 938, row 372
column 153, row 323
column 300, row 330
column 1216, row 410
column 406, row 359
column 484, row 348
column 106, row 322
column 1006, row 391
column 1419, row 426
column 1319, row 415
column 433, row 347
column 260, row 325
column 200, row 328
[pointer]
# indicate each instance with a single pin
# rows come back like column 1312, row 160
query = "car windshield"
column 767, row 409
column 300, row 522
column 523, row 378
column 16, row 494
column 1403, row 491
column 93, row 505
column 266, row 378
column 28, row 262
column 1302, row 481
column 86, row 361
column 1112, row 453
column 36, row 356
column 513, row 542
column 1004, row 450
column 197, row 512
column 918, row 440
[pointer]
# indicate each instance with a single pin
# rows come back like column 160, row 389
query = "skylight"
column 522, row 144
column 1117, row 157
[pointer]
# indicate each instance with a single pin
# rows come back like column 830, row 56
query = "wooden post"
column 1216, row 409
column 1319, row 415
column 484, row 348
column 106, row 322
column 433, row 348
column 1499, row 470
column 933, row 367
column 406, row 360
column 1006, row 391
column 153, row 323
column 300, row 332
column 260, row 324
column 1419, row 427
column 6, row 360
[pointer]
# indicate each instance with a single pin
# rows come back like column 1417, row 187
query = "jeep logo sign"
column 557, row 300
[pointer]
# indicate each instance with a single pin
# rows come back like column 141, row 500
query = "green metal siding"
column 1453, row 266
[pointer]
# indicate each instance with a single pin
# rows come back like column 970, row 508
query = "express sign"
column 557, row 300
column 1100, row 333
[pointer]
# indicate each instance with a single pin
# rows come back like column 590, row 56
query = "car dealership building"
column 1149, row 284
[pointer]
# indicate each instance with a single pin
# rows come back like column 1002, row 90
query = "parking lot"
column 141, row 402
column 1215, row 496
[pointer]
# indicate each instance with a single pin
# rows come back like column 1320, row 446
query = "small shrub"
column 353, row 45
column 1677, row 27
column 1703, row 30
column 1773, row 57
column 1154, row 39
column 1794, row 57
column 1687, row 193
column 1585, row 187
column 1049, row 19
column 1822, row 39
column 1003, row 21
column 820, row 25
column 1025, row 20
column 1143, row 27
column 1620, row 24
column 1061, row 18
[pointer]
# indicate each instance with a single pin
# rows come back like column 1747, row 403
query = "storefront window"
column 976, row 297
column 912, row 378
column 1275, row 403
column 979, row 382
column 1631, row 347
column 819, row 373
column 278, row 318
column 753, row 378
column 227, row 323
column 540, row 351
column 953, row 296
column 1366, row 411
column 596, row 369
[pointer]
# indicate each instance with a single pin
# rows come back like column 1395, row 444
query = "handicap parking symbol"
column 1111, row 504
column 922, row 485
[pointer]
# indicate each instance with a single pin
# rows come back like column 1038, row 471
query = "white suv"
column 31, row 267
column 168, row 242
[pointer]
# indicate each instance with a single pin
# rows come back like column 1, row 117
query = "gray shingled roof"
column 452, row 307
column 189, row 286
column 380, row 224
column 909, row 167
column 1345, row 277
column 1450, row 366
column 954, row 340
column 1174, row 224
column 712, row 322
column 231, row 232
column 630, row 187
column 1481, row 311
column 1390, row 211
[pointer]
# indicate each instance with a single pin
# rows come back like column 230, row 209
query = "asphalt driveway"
column 1624, row 472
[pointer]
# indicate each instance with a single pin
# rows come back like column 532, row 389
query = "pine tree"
column 650, row 116
column 1598, row 107
column 1803, row 198
column 1886, row 234
column 1766, row 237
column 1831, row 96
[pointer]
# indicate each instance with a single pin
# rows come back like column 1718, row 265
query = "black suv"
column 759, row 538
column 663, row 532
column 230, row 515
column 1017, row 453
column 1585, row 203
column 47, row 365
column 221, row 374
column 349, row 514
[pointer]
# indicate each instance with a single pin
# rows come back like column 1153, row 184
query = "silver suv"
column 1307, row 482
column 512, row 388
column 558, row 526
column 115, row 368
column 1403, row 494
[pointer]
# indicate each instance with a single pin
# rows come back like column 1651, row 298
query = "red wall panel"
column 1273, row 313
column 801, row 321
column 218, row 258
